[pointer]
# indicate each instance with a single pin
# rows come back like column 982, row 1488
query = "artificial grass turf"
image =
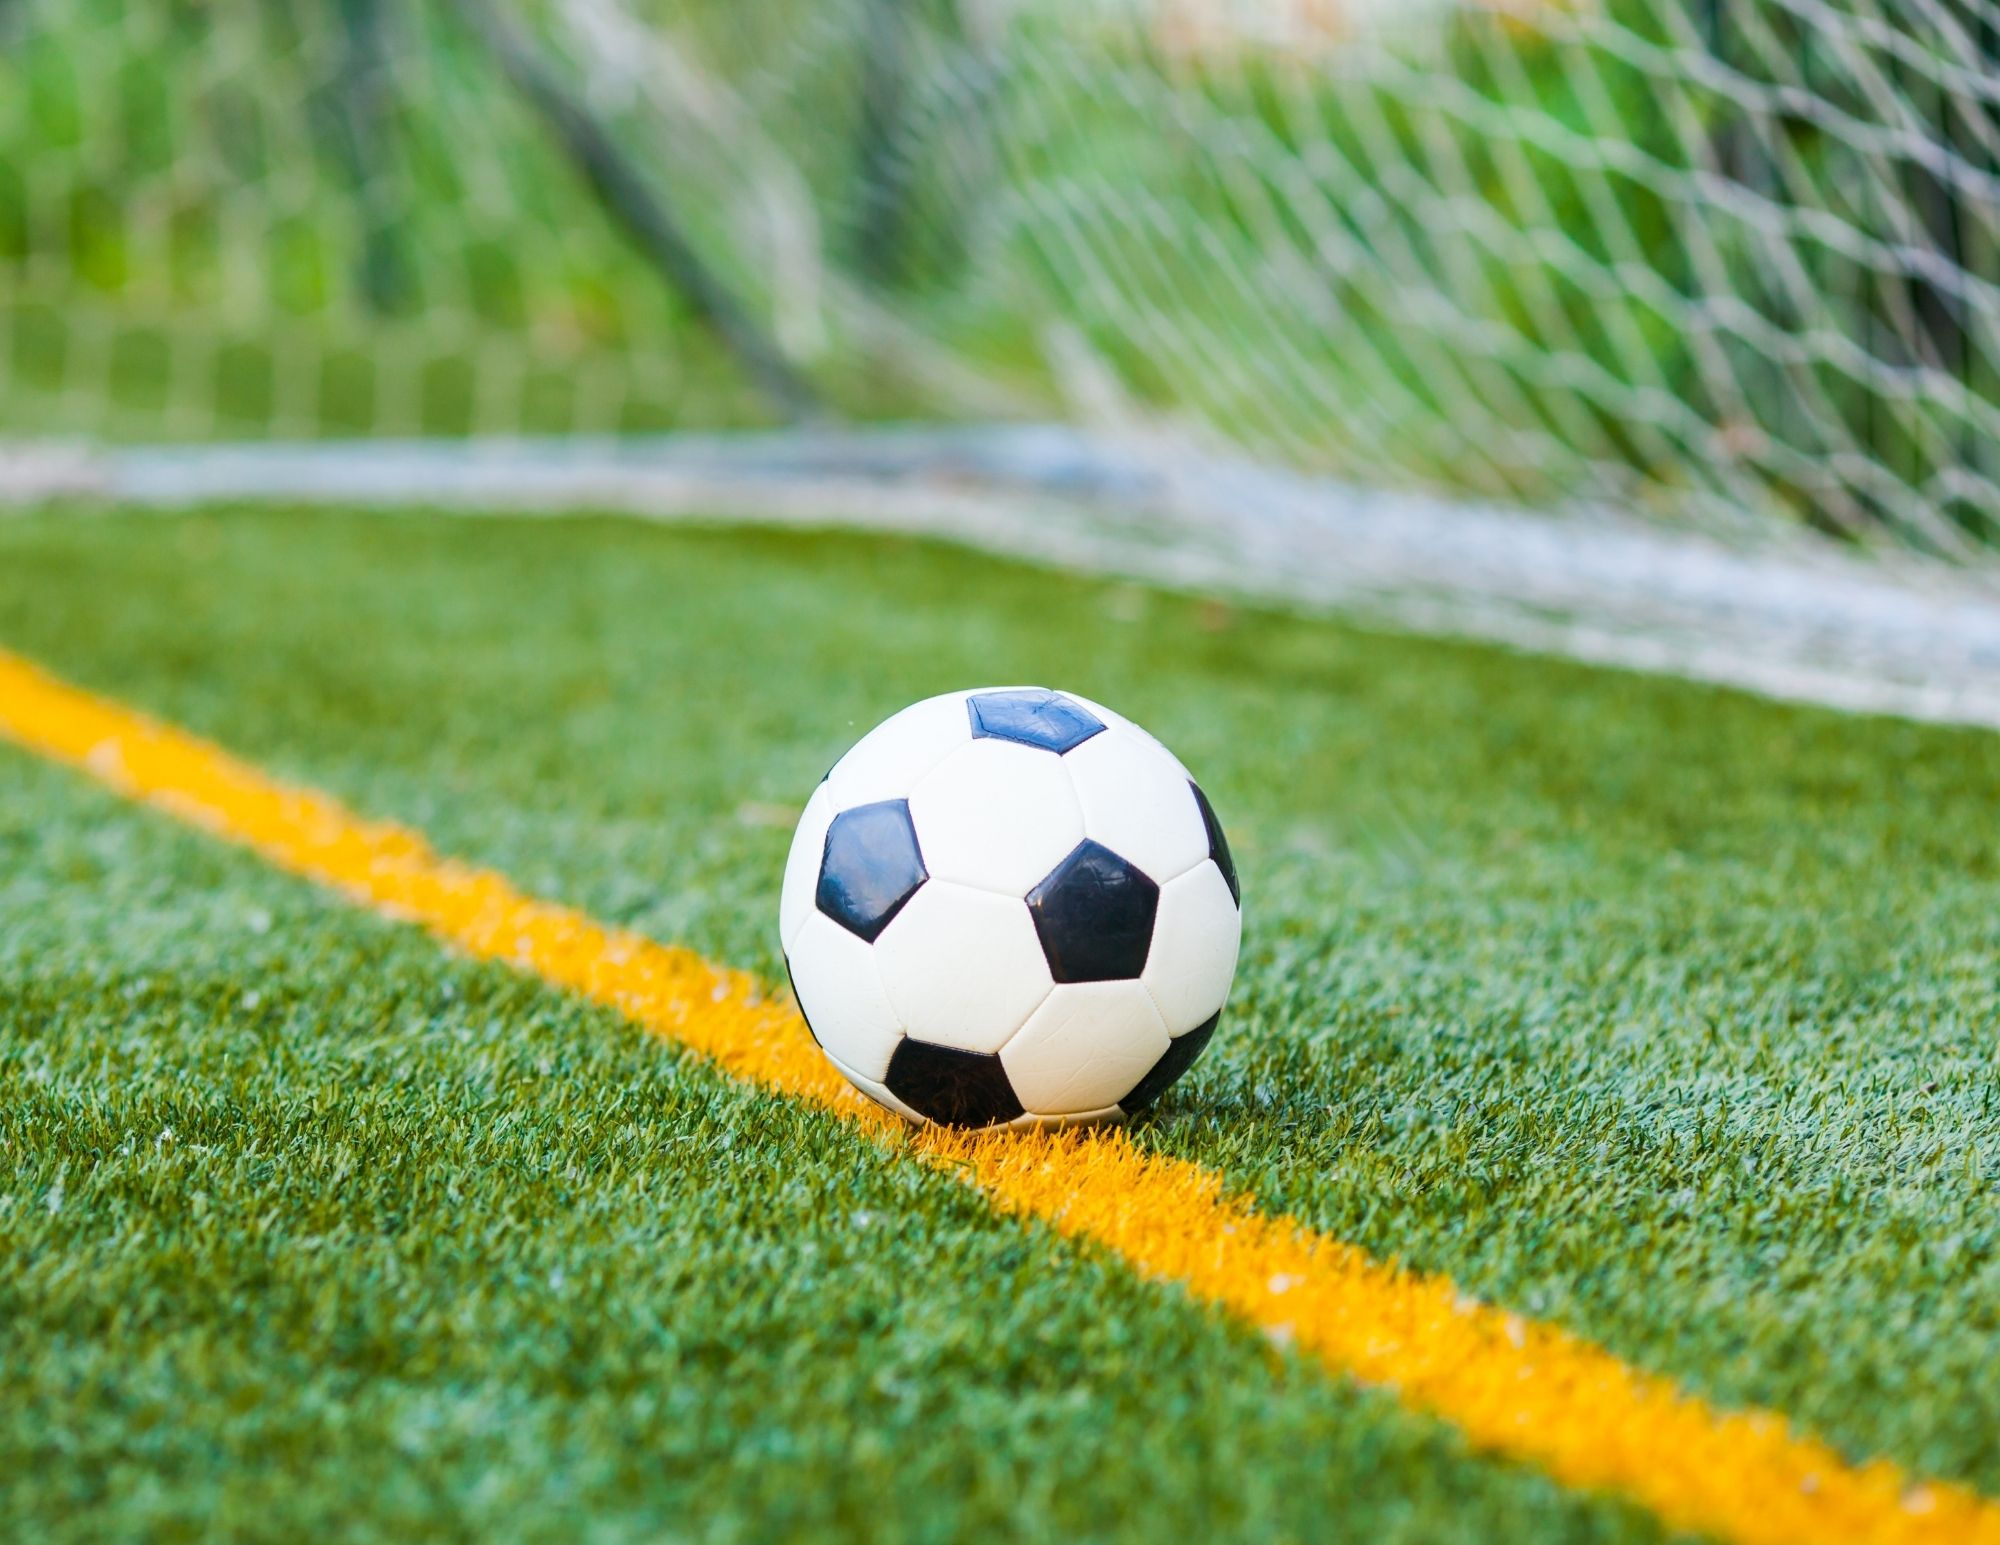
column 309, row 1225
column 1642, row 1006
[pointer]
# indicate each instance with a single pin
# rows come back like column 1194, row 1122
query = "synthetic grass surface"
column 1615, row 999
column 392, row 1244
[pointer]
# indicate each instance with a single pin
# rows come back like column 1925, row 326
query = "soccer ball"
column 1010, row 906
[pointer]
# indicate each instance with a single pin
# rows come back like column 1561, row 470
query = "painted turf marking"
column 1515, row 1387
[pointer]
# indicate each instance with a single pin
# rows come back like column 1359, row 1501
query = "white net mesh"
column 326, row 218
column 1726, row 260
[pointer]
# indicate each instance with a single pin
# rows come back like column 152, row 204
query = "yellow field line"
column 1515, row 1387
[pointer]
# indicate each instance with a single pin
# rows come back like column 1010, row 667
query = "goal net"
column 1726, row 261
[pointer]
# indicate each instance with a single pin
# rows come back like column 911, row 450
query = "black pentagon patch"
column 870, row 867
column 1095, row 916
column 1031, row 716
column 957, row 1088
column 1218, row 845
column 1174, row 1061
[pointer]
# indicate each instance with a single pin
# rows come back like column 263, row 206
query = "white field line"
column 1793, row 619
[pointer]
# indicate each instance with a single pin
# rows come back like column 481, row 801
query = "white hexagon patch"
column 997, row 815
column 1138, row 802
column 890, row 759
column 840, row 991
column 964, row 967
column 1195, row 937
column 795, row 901
column 1085, row 1047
